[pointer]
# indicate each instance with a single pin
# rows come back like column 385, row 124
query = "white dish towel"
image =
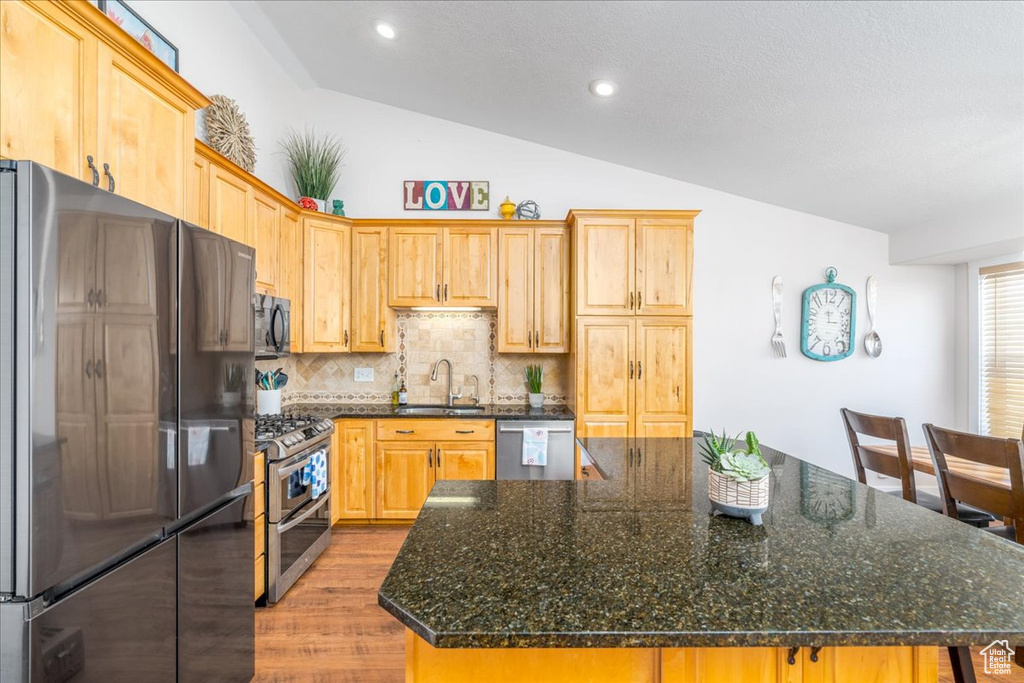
column 535, row 446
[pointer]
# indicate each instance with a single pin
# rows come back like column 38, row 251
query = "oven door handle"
column 282, row 528
column 286, row 472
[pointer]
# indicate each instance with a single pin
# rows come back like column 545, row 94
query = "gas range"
column 290, row 434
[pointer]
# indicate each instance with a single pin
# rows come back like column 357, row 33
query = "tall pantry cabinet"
column 632, row 354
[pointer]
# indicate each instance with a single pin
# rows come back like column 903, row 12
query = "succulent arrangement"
column 722, row 455
column 315, row 160
column 535, row 378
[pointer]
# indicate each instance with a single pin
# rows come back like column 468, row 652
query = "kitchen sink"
column 440, row 410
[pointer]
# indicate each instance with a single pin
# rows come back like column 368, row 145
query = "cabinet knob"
column 814, row 653
column 95, row 171
column 110, row 176
column 791, row 658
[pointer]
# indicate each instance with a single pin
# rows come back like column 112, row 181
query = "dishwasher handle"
column 559, row 430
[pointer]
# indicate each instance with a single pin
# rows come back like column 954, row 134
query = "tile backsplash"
column 466, row 339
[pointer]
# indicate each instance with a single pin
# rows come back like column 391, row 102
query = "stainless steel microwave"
column 273, row 326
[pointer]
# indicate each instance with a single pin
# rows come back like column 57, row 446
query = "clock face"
column 828, row 324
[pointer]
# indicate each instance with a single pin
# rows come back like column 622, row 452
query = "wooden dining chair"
column 898, row 465
column 960, row 487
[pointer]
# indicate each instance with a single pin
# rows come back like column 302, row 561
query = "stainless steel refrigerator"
column 126, row 435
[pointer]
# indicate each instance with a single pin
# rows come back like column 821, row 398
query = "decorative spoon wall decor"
column 872, row 342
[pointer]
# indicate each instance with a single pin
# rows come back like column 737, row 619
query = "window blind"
column 1002, row 350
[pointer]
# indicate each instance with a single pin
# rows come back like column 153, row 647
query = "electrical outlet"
column 364, row 375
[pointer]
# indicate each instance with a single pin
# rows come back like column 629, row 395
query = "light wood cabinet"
column 259, row 497
column 231, row 205
column 533, row 290
column 413, row 454
column 443, row 266
column 199, row 192
column 326, row 265
column 74, row 86
column 373, row 321
column 633, row 376
column 290, row 280
column 352, row 475
column 266, row 212
column 634, row 263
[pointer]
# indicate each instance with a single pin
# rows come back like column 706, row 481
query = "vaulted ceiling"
column 882, row 114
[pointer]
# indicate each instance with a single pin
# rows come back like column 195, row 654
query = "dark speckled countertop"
column 638, row 561
column 386, row 410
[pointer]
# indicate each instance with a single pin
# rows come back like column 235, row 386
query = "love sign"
column 447, row 195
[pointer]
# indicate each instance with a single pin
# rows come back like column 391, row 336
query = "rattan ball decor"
column 228, row 132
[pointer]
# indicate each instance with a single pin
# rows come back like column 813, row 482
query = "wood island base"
column 427, row 664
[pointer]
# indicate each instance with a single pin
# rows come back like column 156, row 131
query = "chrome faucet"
column 433, row 378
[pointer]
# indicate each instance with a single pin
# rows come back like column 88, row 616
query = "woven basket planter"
column 744, row 499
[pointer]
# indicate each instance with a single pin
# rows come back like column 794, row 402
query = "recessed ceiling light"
column 384, row 29
column 602, row 88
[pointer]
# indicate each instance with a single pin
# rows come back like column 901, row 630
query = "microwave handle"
column 325, row 498
column 277, row 315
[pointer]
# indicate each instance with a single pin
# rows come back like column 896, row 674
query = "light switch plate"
column 364, row 374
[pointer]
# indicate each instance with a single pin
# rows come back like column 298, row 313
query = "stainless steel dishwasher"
column 561, row 450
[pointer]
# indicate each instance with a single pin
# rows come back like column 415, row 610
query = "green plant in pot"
column 738, row 478
column 315, row 160
column 535, row 382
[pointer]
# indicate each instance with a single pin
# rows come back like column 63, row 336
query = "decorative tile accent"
column 467, row 339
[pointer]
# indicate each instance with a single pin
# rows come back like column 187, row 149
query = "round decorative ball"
column 228, row 132
column 528, row 210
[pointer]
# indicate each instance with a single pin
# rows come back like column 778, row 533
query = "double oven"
column 298, row 524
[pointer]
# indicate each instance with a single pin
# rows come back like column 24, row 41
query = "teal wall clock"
column 829, row 320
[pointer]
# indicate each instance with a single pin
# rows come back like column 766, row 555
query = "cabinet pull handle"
column 430, row 458
column 438, row 463
column 446, row 291
column 639, row 370
column 631, row 301
column 110, row 176
column 99, row 368
column 536, row 340
column 630, row 459
column 529, row 339
column 346, row 337
column 95, row 172
column 88, row 369
column 639, row 300
column 814, row 653
column 90, row 298
column 638, row 452
column 631, row 369
column 101, row 298
column 437, row 294
column 464, row 431
column 405, row 431
column 382, row 337
column 793, row 651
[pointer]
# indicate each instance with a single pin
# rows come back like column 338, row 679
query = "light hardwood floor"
column 329, row 628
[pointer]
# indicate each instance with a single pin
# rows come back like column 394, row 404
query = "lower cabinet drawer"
column 260, row 532
column 259, row 466
column 259, row 577
column 451, row 429
column 259, row 500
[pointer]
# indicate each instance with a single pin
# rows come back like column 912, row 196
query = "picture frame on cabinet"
column 141, row 30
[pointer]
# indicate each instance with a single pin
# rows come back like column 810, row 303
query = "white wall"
column 740, row 245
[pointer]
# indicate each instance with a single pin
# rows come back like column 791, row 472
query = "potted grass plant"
column 315, row 160
column 535, row 382
column 737, row 477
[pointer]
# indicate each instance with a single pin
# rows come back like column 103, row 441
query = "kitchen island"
column 632, row 579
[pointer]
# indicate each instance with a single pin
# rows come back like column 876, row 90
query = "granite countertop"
column 638, row 561
column 386, row 410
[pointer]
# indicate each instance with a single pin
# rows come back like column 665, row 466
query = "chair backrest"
column 984, row 450
column 865, row 457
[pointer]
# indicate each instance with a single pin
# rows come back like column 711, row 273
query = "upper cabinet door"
column 326, row 266
column 372, row 320
column 551, row 291
column 605, row 266
column 664, row 278
column 266, row 227
column 415, row 267
column 663, row 377
column 470, row 267
column 605, row 381
column 230, row 205
column 48, row 87
column 290, row 281
column 199, row 192
column 515, row 290
column 146, row 136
